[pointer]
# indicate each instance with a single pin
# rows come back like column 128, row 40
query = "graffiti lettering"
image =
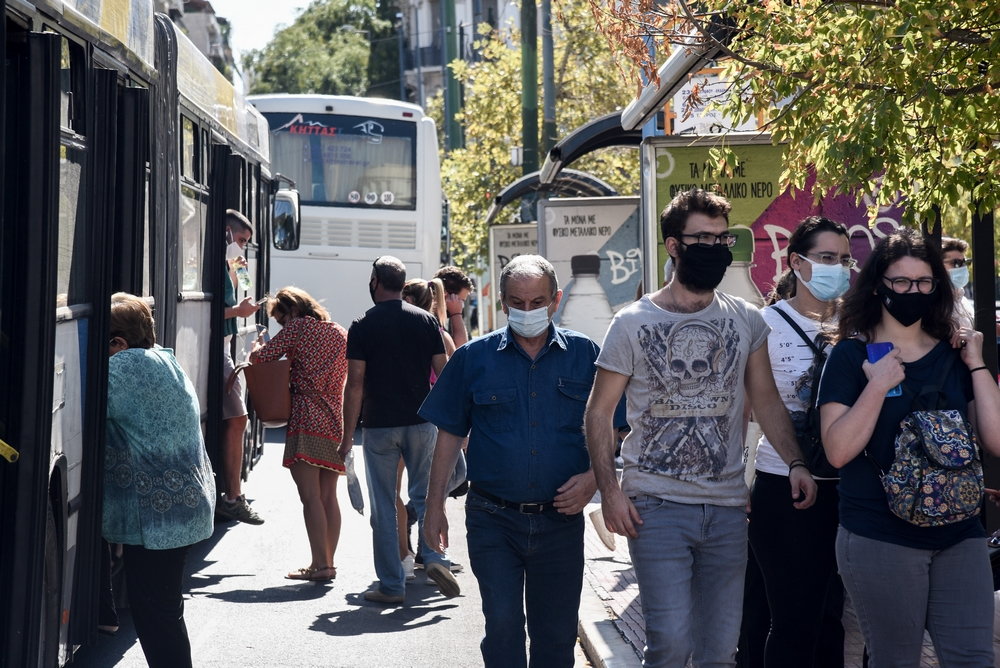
column 624, row 266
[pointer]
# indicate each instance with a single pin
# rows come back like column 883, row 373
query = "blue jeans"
column 690, row 561
column 530, row 563
column 383, row 448
column 899, row 591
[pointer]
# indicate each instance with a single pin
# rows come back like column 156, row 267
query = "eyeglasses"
column 831, row 259
column 901, row 285
column 955, row 264
column 708, row 239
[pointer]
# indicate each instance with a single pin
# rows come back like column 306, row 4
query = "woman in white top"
column 795, row 548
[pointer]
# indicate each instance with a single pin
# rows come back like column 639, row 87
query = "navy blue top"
column 864, row 509
column 525, row 416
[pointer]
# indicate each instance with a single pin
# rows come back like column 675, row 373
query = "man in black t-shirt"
column 391, row 350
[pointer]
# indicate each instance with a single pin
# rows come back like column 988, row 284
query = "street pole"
column 451, row 86
column 529, row 86
column 549, row 137
column 402, row 67
column 420, row 70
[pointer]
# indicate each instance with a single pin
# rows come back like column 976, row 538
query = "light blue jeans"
column 383, row 448
column 690, row 561
column 899, row 591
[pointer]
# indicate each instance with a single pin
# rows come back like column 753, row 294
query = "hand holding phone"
column 877, row 351
column 263, row 334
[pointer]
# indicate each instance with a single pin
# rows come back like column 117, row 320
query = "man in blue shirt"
column 521, row 392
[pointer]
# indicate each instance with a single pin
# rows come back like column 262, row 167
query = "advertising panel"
column 506, row 243
column 595, row 245
column 759, row 205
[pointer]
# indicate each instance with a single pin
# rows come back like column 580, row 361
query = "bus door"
column 31, row 562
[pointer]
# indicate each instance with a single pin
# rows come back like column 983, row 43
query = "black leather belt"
column 525, row 508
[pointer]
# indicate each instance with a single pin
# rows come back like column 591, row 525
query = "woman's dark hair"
column 861, row 310
column 291, row 296
column 802, row 241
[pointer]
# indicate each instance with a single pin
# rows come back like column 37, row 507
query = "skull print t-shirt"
column 685, row 397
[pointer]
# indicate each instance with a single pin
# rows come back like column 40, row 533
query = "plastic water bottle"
column 242, row 273
column 587, row 309
column 737, row 281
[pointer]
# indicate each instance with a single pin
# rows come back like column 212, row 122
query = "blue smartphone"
column 263, row 333
column 877, row 351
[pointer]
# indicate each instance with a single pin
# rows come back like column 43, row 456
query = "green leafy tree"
column 876, row 97
column 325, row 50
column 587, row 85
column 383, row 65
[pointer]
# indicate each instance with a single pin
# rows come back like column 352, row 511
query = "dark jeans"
column 530, row 563
column 795, row 550
column 154, row 580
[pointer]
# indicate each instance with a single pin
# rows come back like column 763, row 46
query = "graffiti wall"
column 758, row 203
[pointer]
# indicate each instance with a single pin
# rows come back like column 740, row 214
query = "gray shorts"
column 233, row 405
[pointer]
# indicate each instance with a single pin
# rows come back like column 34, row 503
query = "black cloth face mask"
column 701, row 268
column 908, row 307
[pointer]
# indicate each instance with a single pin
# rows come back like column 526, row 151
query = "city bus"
column 122, row 149
column 369, row 177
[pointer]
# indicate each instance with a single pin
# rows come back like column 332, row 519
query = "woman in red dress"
column 317, row 348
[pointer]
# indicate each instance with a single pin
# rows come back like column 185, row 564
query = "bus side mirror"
column 286, row 221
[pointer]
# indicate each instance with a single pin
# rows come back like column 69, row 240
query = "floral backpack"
column 936, row 477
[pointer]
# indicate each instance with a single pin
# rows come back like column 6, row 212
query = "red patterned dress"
column 318, row 374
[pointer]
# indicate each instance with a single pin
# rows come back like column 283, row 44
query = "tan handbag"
column 269, row 389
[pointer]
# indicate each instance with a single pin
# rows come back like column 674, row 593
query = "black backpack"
column 810, row 440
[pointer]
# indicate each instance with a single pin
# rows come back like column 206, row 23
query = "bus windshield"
column 347, row 161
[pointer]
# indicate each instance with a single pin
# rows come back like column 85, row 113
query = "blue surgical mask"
column 829, row 281
column 959, row 277
column 528, row 324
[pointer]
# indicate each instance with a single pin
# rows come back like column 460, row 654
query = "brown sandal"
column 321, row 574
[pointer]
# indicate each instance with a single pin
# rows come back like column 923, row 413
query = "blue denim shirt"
column 525, row 416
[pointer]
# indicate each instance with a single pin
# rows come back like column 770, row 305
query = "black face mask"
column 701, row 268
column 372, row 284
column 906, row 308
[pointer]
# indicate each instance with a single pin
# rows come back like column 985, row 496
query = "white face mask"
column 828, row 281
column 233, row 251
column 528, row 324
column 959, row 277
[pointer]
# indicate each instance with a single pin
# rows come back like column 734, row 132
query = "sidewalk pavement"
column 612, row 631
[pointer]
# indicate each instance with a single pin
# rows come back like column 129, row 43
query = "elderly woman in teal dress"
column 158, row 491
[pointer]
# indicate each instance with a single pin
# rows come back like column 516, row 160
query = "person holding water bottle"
column 908, row 574
column 232, row 504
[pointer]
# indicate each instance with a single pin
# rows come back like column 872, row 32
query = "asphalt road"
column 241, row 611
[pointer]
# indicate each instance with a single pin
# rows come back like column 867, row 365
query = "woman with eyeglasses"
column 902, row 577
column 795, row 548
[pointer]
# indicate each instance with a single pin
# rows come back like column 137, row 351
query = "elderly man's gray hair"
column 528, row 266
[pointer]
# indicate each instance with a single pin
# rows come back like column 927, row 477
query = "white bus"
column 369, row 178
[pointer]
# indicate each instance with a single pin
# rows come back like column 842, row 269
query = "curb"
column 603, row 644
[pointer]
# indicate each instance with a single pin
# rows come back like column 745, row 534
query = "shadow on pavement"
column 424, row 606
column 305, row 591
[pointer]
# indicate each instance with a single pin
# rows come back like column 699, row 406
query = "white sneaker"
column 408, row 567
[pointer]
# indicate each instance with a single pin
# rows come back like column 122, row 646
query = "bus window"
column 147, row 261
column 71, row 270
column 349, row 161
column 192, row 238
column 188, row 149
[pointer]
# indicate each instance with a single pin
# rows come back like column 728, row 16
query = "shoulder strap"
column 798, row 330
